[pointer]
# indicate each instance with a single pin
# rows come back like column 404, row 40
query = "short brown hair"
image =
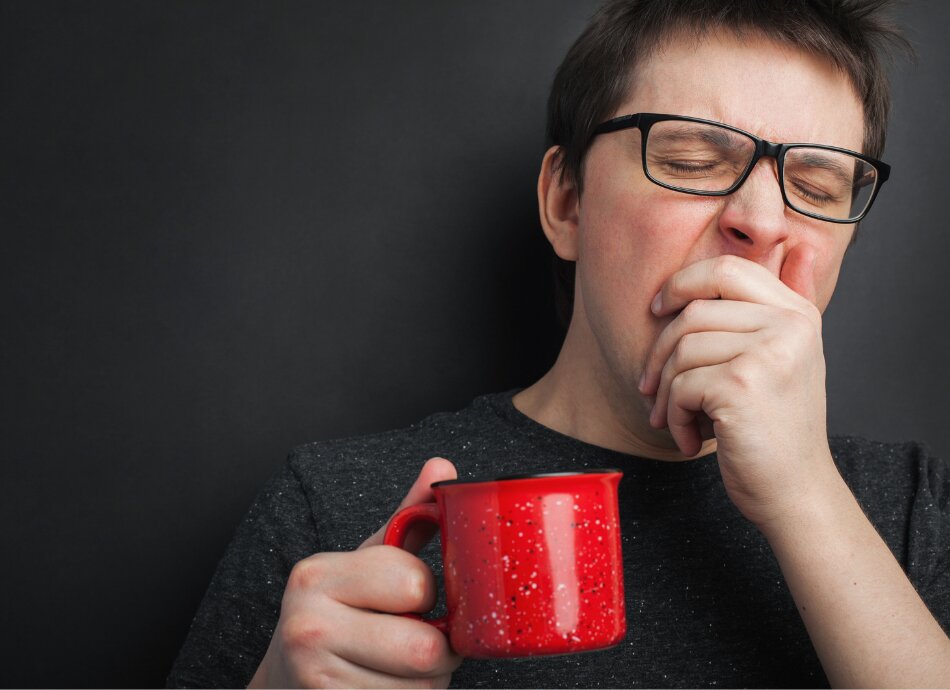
column 593, row 79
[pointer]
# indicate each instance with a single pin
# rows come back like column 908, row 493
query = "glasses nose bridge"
column 764, row 149
column 770, row 149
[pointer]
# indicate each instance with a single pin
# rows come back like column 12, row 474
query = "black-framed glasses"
column 696, row 156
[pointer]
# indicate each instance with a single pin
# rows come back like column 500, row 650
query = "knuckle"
column 414, row 586
column 727, row 268
column 676, row 385
column 787, row 351
column 423, row 653
column 301, row 634
column 784, row 360
column 799, row 339
column 675, row 363
column 308, row 573
column 805, row 324
column 742, row 373
column 684, row 348
column 691, row 312
column 673, row 366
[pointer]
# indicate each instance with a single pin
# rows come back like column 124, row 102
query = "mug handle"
column 396, row 536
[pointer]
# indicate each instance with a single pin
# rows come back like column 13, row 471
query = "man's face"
column 633, row 235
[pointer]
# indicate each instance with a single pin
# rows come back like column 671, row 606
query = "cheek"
column 827, row 271
column 831, row 250
column 631, row 243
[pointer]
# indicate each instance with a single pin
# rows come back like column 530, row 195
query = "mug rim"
column 536, row 475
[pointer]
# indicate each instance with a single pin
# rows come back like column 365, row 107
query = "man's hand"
column 337, row 628
column 743, row 360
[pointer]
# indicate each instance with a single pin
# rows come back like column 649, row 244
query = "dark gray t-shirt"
column 707, row 605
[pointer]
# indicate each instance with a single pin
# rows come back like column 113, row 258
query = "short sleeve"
column 233, row 626
column 928, row 536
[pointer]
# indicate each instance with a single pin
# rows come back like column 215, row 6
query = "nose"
column 753, row 221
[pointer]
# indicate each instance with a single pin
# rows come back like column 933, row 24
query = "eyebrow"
column 713, row 135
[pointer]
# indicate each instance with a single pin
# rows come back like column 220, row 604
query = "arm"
column 745, row 352
column 232, row 627
column 869, row 626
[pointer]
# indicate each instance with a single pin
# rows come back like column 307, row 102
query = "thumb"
column 798, row 271
column 435, row 470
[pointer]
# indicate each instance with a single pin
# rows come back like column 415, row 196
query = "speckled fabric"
column 706, row 601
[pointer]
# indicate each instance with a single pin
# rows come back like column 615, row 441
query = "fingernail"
column 643, row 380
column 657, row 303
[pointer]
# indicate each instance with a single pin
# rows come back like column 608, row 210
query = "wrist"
column 816, row 509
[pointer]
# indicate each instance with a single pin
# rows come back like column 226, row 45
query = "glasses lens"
column 828, row 183
column 696, row 157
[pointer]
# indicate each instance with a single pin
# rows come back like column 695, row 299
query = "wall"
column 231, row 228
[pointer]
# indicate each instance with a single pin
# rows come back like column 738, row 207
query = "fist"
column 742, row 361
column 339, row 624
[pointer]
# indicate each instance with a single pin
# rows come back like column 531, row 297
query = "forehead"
column 775, row 91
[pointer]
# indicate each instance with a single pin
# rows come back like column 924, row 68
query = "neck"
column 578, row 397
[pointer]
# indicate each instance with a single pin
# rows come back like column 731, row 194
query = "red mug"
column 532, row 563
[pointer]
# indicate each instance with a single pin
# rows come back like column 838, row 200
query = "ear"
column 558, row 206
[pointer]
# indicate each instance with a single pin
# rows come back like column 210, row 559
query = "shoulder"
column 438, row 434
column 867, row 462
column 877, row 468
column 895, row 483
column 857, row 449
column 354, row 483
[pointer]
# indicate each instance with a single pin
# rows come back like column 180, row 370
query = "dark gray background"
column 231, row 228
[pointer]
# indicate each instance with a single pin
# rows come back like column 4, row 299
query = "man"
column 704, row 256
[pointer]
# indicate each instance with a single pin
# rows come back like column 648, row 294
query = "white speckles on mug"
column 540, row 572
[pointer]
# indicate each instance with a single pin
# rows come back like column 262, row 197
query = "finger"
column 381, row 578
column 723, row 277
column 393, row 645
column 687, row 396
column 435, row 470
column 700, row 315
column 798, row 271
column 693, row 351
column 327, row 670
column 359, row 677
